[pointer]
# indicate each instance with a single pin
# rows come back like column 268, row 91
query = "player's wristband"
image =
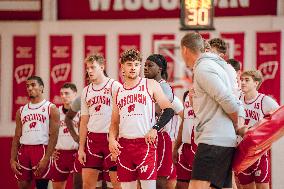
column 156, row 127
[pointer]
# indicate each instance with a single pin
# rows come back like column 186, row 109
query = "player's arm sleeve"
column 168, row 91
column 84, row 106
column 76, row 104
column 177, row 105
column 209, row 80
column 269, row 104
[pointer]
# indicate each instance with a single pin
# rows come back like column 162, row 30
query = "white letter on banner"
column 99, row 5
column 151, row 4
column 133, row 5
column 169, row 4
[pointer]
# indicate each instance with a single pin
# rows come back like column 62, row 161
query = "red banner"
column 141, row 9
column 168, row 52
column 238, row 42
column 245, row 7
column 21, row 10
column 24, row 58
column 268, row 61
column 60, row 65
column 95, row 45
column 126, row 42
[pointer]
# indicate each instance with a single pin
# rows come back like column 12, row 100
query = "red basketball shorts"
column 63, row 166
column 137, row 160
column 184, row 162
column 28, row 157
column 165, row 165
column 98, row 155
column 259, row 172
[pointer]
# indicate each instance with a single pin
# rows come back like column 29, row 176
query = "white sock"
column 129, row 185
column 148, row 184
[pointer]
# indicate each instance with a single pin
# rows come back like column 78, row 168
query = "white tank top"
column 100, row 104
column 65, row 141
column 35, row 123
column 136, row 110
column 253, row 109
column 188, row 122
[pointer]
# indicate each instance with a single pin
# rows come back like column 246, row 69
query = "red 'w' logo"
column 98, row 108
column 65, row 130
column 131, row 108
column 32, row 125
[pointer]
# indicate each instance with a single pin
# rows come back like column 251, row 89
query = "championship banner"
column 268, row 61
column 95, row 45
column 238, row 40
column 24, row 58
column 167, row 50
column 126, row 42
column 60, row 65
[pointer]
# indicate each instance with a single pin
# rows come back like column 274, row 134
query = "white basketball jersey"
column 136, row 110
column 253, row 110
column 100, row 104
column 35, row 123
column 188, row 122
column 65, row 141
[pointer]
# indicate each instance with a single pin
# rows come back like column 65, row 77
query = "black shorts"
column 214, row 164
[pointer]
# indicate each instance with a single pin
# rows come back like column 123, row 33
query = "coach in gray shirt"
column 216, row 109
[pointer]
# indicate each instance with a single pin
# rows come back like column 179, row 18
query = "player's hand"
column 114, row 146
column 242, row 131
column 191, row 94
column 16, row 168
column 82, row 156
column 40, row 167
column 175, row 155
column 151, row 136
column 55, row 155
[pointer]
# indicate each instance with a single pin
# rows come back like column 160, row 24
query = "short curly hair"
column 219, row 44
column 130, row 55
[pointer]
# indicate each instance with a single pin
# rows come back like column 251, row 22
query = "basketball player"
column 36, row 133
column 96, row 108
column 219, row 47
column 70, row 115
column 133, row 121
column 256, row 106
column 216, row 109
column 185, row 147
column 66, row 147
column 237, row 66
column 156, row 68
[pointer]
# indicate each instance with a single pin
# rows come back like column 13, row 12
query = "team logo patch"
column 98, row 108
column 65, row 130
column 32, row 125
column 143, row 169
column 257, row 173
column 131, row 108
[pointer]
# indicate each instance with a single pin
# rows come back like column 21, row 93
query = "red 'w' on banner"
column 95, row 45
column 268, row 62
column 60, row 65
column 24, row 52
column 126, row 42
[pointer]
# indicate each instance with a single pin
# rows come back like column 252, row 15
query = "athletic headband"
column 159, row 60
